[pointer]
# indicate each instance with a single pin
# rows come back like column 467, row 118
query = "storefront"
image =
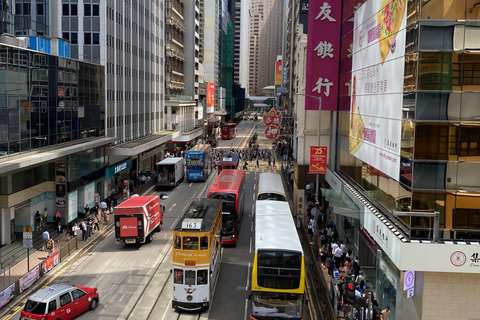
column 118, row 176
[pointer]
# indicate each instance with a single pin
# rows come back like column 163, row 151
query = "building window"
column 88, row 38
column 26, row 9
column 466, row 218
column 74, row 38
column 40, row 9
column 96, row 38
column 73, row 10
column 66, row 35
column 95, row 10
column 87, row 11
column 65, row 9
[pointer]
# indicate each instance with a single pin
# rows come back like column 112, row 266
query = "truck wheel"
column 149, row 239
column 158, row 228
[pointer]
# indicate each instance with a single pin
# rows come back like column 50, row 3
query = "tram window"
column 190, row 277
column 203, row 243
column 202, row 277
column 190, row 243
column 178, row 274
column 178, row 242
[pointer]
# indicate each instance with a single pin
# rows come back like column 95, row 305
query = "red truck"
column 137, row 218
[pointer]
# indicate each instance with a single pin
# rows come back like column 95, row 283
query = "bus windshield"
column 279, row 269
column 280, row 305
column 271, row 196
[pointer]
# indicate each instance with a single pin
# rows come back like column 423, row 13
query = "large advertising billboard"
column 323, row 54
column 377, row 84
column 278, row 73
column 210, row 97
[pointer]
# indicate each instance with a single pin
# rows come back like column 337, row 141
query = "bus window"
column 190, row 277
column 203, row 243
column 178, row 242
column 190, row 243
column 202, row 277
column 178, row 276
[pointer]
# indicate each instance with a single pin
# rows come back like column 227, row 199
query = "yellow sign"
column 27, row 229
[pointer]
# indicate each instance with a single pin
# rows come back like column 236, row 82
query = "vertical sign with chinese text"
column 318, row 160
column 210, row 97
column 278, row 73
column 323, row 53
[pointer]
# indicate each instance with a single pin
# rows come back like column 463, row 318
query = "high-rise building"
column 236, row 15
column 266, row 32
column 402, row 160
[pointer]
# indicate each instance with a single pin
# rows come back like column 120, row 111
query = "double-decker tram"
column 278, row 275
column 197, row 162
column 197, row 255
column 229, row 160
column 230, row 188
column 229, row 131
column 270, row 187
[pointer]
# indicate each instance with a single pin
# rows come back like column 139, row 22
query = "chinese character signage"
column 272, row 120
column 377, row 84
column 323, row 53
column 210, row 97
column 318, row 160
column 278, row 73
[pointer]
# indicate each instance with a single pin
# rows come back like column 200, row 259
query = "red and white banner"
column 318, row 160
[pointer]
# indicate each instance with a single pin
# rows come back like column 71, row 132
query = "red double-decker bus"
column 230, row 188
column 229, row 131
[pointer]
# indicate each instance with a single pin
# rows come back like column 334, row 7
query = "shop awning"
column 188, row 136
column 341, row 203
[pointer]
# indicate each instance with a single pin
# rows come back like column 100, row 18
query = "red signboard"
column 272, row 132
column 210, row 97
column 272, row 118
column 318, row 160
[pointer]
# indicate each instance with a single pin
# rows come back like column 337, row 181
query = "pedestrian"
column 311, row 227
column 344, row 250
column 330, row 265
column 323, row 254
column 258, row 163
column 338, row 253
column 38, row 220
column 124, row 193
column 95, row 222
column 108, row 202
column 44, row 217
column 50, row 246
column 386, row 313
column 45, row 237
column 269, row 162
column 245, row 166
column 57, row 217
column 107, row 216
column 74, row 230
column 89, row 227
column 59, row 230
column 348, row 266
column 273, row 160
column 83, row 227
column 86, row 211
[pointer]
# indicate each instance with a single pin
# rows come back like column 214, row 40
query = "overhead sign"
column 272, row 120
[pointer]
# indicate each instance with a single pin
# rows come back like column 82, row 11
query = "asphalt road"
column 134, row 281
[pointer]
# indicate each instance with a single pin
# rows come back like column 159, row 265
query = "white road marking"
column 253, row 197
column 253, row 209
column 250, row 245
column 185, row 208
column 165, row 235
column 248, row 277
column 254, row 187
column 190, row 184
column 147, row 261
column 121, row 298
column 173, row 205
column 108, row 261
column 174, row 223
column 246, row 309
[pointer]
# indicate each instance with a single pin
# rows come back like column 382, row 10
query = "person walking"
column 86, row 211
column 107, row 216
column 330, row 265
column 45, row 237
column 44, row 217
column 50, row 246
column 386, row 313
column 75, row 228
column 83, row 227
column 323, row 254
column 124, row 193
column 57, row 217
column 59, row 230
column 38, row 220
column 96, row 223
column 258, row 163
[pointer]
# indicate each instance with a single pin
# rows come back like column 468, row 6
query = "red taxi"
column 60, row 301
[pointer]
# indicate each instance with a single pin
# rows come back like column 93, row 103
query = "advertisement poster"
column 377, row 84
column 318, row 160
column 323, row 54
column 72, row 205
column 29, row 278
column 7, row 295
column 278, row 73
column 51, row 262
column 60, row 180
column 210, row 97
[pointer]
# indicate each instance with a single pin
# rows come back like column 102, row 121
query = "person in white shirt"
column 333, row 246
column 45, row 237
column 338, row 253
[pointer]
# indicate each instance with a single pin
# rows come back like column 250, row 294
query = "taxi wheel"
column 93, row 304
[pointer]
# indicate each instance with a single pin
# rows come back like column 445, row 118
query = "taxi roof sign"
column 27, row 229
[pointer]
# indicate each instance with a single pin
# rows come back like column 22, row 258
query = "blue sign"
column 119, row 167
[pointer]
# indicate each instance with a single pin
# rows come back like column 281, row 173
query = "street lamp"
column 319, row 99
